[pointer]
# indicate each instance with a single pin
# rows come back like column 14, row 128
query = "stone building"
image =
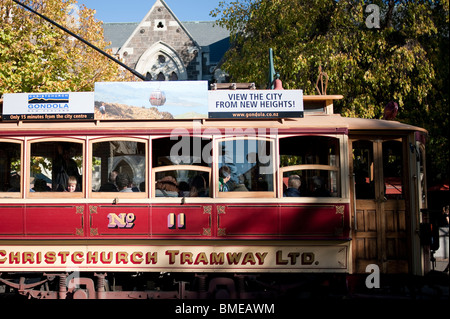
column 163, row 48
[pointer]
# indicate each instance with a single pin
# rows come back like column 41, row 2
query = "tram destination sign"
column 48, row 106
column 245, row 104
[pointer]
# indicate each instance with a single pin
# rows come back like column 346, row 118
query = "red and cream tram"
column 149, row 217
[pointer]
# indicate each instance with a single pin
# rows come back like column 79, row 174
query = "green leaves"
column 404, row 60
column 36, row 56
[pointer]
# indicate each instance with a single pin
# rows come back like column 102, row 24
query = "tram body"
column 362, row 189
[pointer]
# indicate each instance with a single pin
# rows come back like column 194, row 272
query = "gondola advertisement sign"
column 151, row 100
column 48, row 106
column 247, row 104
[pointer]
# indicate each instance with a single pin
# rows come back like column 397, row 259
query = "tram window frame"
column 203, row 165
column 56, row 194
column 113, row 195
column 13, row 194
column 171, row 168
column 319, row 168
column 244, row 194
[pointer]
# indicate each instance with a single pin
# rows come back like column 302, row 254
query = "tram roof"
column 312, row 121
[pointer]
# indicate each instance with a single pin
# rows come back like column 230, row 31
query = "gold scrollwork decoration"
column 340, row 209
column 206, row 231
column 207, row 209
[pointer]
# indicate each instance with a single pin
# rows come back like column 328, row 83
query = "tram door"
column 379, row 216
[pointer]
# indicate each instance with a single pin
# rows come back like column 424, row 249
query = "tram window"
column 118, row 166
column 315, row 159
column 181, row 151
column 313, row 183
column 393, row 169
column 54, row 164
column 10, row 167
column 181, row 166
column 249, row 165
column 363, row 168
column 182, row 183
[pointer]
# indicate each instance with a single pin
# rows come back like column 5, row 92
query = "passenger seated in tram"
column 240, row 186
column 72, row 185
column 63, row 167
column 110, row 186
column 167, row 187
column 293, row 189
column 40, row 185
column 14, row 183
column 123, row 183
column 198, row 187
column 319, row 188
column 184, row 189
column 224, row 177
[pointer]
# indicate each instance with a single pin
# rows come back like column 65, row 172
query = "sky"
column 135, row 10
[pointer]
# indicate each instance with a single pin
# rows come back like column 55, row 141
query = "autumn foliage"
column 36, row 56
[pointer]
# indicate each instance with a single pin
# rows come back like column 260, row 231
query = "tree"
column 36, row 56
column 403, row 58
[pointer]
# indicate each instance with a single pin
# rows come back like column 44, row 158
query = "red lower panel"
column 247, row 220
column 314, row 221
column 55, row 220
column 167, row 221
column 12, row 220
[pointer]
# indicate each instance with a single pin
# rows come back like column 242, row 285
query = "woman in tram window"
column 224, row 177
column 167, row 187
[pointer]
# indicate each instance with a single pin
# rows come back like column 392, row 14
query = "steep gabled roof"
column 118, row 33
column 203, row 33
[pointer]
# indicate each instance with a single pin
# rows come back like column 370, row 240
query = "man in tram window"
column 224, row 177
column 293, row 189
column 198, row 187
column 319, row 188
column 40, row 185
column 240, row 186
column 110, row 186
column 63, row 167
column 14, row 183
column 123, row 183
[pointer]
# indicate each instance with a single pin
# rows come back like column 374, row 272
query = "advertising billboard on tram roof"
column 48, row 106
column 243, row 104
column 151, row 100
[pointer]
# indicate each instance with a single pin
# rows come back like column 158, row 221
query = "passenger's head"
column 72, row 184
column 225, row 173
column 122, row 181
column 113, row 176
column 294, row 181
column 167, row 183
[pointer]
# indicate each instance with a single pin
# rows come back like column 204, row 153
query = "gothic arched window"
column 173, row 77
column 161, row 77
